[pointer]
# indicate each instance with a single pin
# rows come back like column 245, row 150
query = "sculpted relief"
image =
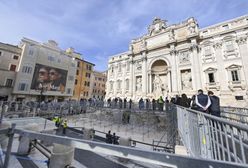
column 186, row 79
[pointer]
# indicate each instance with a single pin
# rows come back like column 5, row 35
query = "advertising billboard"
column 49, row 78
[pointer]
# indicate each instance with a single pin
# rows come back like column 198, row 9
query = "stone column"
column 174, row 79
column 131, row 87
column 150, row 82
column 196, row 75
column 243, row 50
column 144, row 74
column 168, row 82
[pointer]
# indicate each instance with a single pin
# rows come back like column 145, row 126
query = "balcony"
column 213, row 86
column 236, row 84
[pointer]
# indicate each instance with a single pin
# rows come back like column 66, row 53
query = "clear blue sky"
column 101, row 28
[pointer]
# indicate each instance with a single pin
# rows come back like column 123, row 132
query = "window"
column 15, row 57
column 68, row 90
column 78, row 64
column 235, row 76
column 229, row 45
column 87, row 75
column 12, row 67
column 76, row 81
column 22, row 86
column 211, row 78
column 88, row 83
column 51, row 58
column 127, row 84
column 112, row 69
column 0, row 53
column 94, row 84
column 119, row 84
column 26, row 69
column 73, row 65
column 71, row 78
column 31, row 52
column 207, row 50
column 9, row 82
column 77, row 72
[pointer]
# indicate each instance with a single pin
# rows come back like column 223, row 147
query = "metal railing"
column 207, row 136
column 235, row 114
column 157, row 158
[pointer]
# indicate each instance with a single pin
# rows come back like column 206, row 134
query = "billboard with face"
column 49, row 78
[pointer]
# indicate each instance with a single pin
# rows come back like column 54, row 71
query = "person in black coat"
column 109, row 137
column 214, row 108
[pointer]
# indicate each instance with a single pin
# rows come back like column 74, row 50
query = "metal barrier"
column 207, row 136
column 235, row 114
column 157, row 158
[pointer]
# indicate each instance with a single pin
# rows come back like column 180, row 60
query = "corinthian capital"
column 194, row 47
column 173, row 52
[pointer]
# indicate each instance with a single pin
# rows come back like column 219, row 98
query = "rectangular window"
column 77, row 72
column 26, row 69
column 76, row 81
column 15, row 57
column 22, row 86
column 0, row 53
column 127, row 84
column 72, row 64
column 211, row 78
column 31, row 52
column 229, row 46
column 71, row 78
column 78, row 64
column 69, row 91
column 9, row 82
column 12, row 67
column 51, row 58
column 235, row 76
column 207, row 50
column 119, row 84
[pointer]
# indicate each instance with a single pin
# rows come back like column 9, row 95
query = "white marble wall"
column 189, row 53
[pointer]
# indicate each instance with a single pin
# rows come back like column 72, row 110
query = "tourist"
column 184, row 101
column 214, row 108
column 161, row 103
column 202, row 101
column 109, row 137
column 115, row 139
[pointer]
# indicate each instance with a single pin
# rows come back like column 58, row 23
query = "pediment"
column 210, row 69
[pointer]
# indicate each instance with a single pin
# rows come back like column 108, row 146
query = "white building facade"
column 181, row 58
column 39, row 65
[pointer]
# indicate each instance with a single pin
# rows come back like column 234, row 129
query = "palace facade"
column 181, row 58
